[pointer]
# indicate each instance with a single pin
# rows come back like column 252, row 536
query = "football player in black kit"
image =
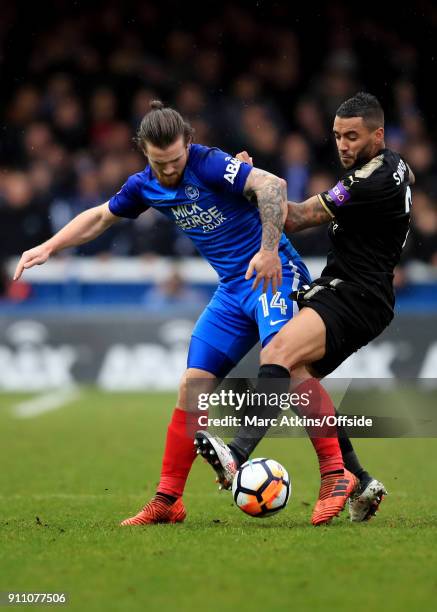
column 347, row 307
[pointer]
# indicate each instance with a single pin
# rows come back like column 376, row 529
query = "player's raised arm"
column 83, row 228
column 306, row 214
column 270, row 193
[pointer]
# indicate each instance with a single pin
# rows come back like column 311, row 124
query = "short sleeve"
column 360, row 189
column 220, row 170
column 128, row 202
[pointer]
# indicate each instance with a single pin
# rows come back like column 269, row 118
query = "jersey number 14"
column 275, row 302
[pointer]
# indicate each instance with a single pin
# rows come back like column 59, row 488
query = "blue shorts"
column 237, row 318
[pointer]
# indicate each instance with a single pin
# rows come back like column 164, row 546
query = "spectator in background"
column 208, row 67
column 25, row 106
column 181, row 49
column 310, row 122
column 420, row 155
column 314, row 240
column 111, row 172
column 59, row 87
column 23, row 109
column 154, row 234
column 133, row 162
column 68, row 123
column 41, row 180
column 127, row 58
column 337, row 81
column 103, row 117
column 296, row 162
column 23, row 219
column 173, row 292
column 282, row 68
column 422, row 240
column 191, row 100
column 37, row 140
column 262, row 137
column 245, row 91
column 405, row 98
column 140, row 101
column 407, row 110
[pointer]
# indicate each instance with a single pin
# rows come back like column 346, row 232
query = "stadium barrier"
column 133, row 351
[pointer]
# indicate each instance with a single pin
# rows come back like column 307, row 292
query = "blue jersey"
column 208, row 204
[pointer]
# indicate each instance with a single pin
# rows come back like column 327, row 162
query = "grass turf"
column 69, row 476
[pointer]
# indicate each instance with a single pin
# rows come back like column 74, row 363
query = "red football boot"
column 158, row 511
column 335, row 489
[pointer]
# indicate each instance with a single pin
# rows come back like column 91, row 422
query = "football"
column 261, row 487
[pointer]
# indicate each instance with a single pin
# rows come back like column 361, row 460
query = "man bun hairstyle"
column 363, row 105
column 156, row 105
column 162, row 126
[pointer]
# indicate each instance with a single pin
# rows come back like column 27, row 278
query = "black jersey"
column 370, row 209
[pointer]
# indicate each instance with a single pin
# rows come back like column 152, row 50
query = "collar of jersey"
column 362, row 163
column 154, row 191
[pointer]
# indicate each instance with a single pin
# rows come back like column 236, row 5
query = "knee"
column 192, row 383
column 184, row 383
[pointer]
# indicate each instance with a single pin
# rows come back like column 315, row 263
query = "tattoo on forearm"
column 271, row 195
column 270, row 202
column 308, row 214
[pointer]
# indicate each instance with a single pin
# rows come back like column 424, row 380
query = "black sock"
column 239, row 457
column 350, row 459
column 249, row 436
column 166, row 497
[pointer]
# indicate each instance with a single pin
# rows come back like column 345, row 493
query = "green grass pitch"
column 69, row 476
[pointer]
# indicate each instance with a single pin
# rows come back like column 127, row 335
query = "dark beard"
column 365, row 156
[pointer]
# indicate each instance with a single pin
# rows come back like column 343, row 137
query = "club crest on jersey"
column 192, row 192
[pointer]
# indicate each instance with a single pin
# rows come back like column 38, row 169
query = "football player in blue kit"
column 234, row 214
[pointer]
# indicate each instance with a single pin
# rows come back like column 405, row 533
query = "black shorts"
column 352, row 316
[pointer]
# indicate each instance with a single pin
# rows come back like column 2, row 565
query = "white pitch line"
column 45, row 403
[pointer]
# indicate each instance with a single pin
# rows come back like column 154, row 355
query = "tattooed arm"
column 307, row 214
column 270, row 193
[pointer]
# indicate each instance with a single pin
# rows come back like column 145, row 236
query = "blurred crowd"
column 77, row 84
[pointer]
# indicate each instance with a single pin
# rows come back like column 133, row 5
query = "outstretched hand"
column 33, row 257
